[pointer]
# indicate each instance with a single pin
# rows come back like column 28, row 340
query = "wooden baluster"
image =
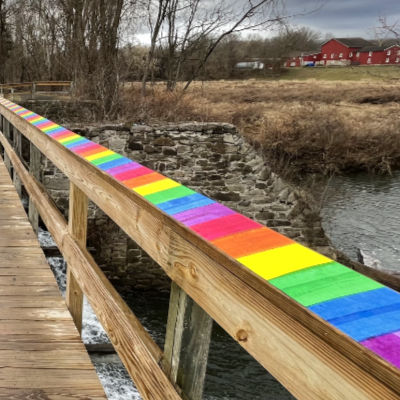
column 77, row 226
column 33, row 90
column 34, row 170
column 6, row 131
column 187, row 343
column 18, row 149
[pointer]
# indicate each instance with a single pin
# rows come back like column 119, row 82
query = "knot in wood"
column 241, row 335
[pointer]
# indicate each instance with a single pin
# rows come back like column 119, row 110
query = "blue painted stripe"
column 184, row 203
column 356, row 303
column 77, row 143
column 114, row 163
column 349, row 318
column 363, row 315
column 55, row 130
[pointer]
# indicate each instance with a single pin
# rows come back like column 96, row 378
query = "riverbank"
column 302, row 127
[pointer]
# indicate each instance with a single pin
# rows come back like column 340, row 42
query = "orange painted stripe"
column 143, row 180
column 93, row 151
column 250, row 242
column 63, row 135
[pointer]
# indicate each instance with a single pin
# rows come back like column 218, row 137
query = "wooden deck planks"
column 41, row 353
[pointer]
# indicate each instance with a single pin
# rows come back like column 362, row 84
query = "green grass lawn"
column 355, row 73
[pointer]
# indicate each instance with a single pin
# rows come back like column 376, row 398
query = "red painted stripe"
column 86, row 149
column 44, row 124
column 124, row 176
column 143, row 180
column 225, row 226
column 62, row 135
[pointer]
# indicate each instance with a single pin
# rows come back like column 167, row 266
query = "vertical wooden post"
column 6, row 131
column 18, row 150
column 187, row 343
column 34, row 170
column 77, row 226
column 33, row 90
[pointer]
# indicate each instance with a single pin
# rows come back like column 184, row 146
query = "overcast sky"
column 343, row 18
column 339, row 18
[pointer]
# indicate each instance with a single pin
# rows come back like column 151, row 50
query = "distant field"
column 358, row 73
column 312, row 125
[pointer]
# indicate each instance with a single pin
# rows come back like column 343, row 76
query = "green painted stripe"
column 106, row 159
column 322, row 283
column 73, row 140
column 169, row 194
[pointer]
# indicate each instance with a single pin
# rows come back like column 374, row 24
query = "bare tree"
column 159, row 8
column 388, row 28
column 193, row 29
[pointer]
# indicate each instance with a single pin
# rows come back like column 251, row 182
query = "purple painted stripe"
column 122, row 168
column 203, row 214
column 387, row 346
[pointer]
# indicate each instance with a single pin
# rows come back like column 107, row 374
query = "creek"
column 232, row 374
column 362, row 211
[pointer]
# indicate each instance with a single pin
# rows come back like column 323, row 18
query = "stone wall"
column 212, row 159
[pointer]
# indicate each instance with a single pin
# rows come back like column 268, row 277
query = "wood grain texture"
column 311, row 358
column 34, row 170
column 187, row 343
column 163, row 238
column 18, row 151
column 77, row 226
column 137, row 350
column 41, row 354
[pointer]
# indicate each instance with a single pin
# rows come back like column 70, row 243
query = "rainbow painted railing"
column 361, row 308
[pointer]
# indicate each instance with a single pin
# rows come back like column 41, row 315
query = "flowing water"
column 232, row 374
column 362, row 211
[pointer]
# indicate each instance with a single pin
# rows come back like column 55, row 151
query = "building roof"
column 371, row 48
column 352, row 42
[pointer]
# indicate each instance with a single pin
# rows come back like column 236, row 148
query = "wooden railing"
column 32, row 89
column 309, row 356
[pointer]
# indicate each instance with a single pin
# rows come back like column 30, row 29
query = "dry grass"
column 305, row 126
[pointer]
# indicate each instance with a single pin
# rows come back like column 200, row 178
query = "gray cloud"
column 343, row 17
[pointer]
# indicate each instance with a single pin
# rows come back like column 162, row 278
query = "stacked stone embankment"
column 211, row 158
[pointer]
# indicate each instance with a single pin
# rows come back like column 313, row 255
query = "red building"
column 350, row 51
column 341, row 51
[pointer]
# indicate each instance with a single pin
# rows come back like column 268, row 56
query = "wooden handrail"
column 37, row 83
column 309, row 356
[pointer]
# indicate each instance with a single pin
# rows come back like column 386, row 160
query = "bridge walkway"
column 41, row 352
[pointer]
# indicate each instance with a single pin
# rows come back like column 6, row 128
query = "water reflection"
column 363, row 211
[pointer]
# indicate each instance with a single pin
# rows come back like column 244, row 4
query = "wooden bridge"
column 323, row 330
column 22, row 91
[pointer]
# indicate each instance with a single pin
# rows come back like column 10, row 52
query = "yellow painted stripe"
column 155, row 187
column 66, row 139
column 50, row 127
column 99, row 155
column 282, row 260
column 36, row 119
